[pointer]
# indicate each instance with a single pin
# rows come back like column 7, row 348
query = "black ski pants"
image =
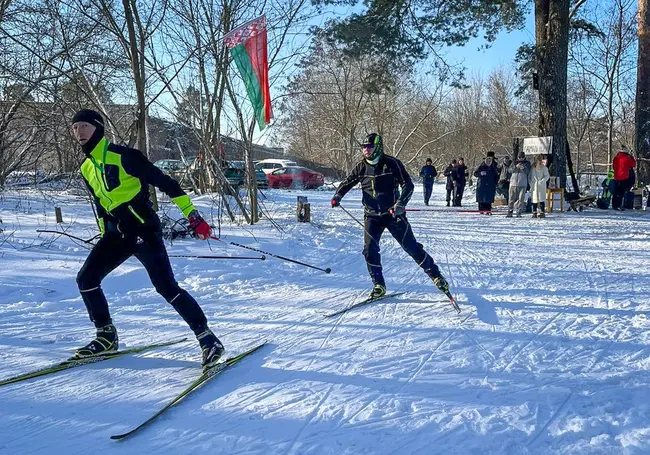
column 620, row 188
column 458, row 194
column 450, row 190
column 111, row 251
column 428, row 188
column 400, row 229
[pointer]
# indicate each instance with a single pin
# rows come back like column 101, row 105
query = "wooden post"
column 57, row 213
column 306, row 218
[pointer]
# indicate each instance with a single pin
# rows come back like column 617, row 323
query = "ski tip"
column 119, row 437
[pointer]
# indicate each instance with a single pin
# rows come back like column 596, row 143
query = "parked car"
column 271, row 164
column 295, row 177
column 169, row 165
column 236, row 175
column 182, row 172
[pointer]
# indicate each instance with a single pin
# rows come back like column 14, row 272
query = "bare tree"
column 601, row 68
column 34, row 56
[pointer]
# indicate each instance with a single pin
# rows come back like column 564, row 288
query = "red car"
column 295, row 177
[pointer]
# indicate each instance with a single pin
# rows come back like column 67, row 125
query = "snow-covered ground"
column 551, row 354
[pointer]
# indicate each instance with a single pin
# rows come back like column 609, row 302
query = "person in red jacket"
column 623, row 164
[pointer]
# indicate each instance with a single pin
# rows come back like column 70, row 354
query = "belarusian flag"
column 247, row 44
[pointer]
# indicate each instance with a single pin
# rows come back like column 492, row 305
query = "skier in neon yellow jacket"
column 119, row 177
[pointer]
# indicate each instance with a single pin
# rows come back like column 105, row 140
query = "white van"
column 271, row 164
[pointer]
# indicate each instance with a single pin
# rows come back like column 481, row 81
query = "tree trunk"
column 574, row 180
column 552, row 45
column 137, row 48
column 642, row 115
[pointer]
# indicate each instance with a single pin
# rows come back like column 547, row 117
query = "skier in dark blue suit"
column 386, row 189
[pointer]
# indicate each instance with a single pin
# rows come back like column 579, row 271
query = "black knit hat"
column 375, row 140
column 89, row 116
column 489, row 154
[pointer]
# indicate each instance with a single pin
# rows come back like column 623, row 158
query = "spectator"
column 608, row 189
column 538, row 177
column 486, row 186
column 460, row 180
column 428, row 174
column 449, row 172
column 519, row 171
column 623, row 164
column 505, row 174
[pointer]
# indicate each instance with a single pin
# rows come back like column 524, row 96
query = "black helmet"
column 373, row 141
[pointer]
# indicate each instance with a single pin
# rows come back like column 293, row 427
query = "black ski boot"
column 106, row 341
column 441, row 284
column 378, row 290
column 211, row 348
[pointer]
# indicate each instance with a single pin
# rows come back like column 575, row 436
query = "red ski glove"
column 201, row 229
column 336, row 201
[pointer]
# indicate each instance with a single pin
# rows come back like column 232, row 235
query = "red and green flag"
column 247, row 44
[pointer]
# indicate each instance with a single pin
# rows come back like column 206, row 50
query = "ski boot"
column 211, row 348
column 441, row 284
column 509, row 215
column 379, row 290
column 105, row 342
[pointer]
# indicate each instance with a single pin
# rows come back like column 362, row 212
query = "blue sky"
column 502, row 52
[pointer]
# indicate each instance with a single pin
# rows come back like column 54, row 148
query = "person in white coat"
column 537, row 178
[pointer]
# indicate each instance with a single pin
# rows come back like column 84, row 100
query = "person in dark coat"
column 449, row 172
column 428, row 174
column 486, row 186
column 459, row 181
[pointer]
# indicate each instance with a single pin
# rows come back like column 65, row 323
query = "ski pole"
column 261, row 258
column 354, row 218
column 360, row 224
column 68, row 235
column 327, row 270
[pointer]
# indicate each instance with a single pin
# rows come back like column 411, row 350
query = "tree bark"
column 642, row 114
column 552, row 45
column 137, row 47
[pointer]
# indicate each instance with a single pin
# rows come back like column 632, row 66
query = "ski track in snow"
column 550, row 354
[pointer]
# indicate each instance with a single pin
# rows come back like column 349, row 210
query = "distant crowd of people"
column 511, row 179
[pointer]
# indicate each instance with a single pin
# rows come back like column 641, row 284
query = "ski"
column 363, row 302
column 453, row 302
column 75, row 362
column 205, row 377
